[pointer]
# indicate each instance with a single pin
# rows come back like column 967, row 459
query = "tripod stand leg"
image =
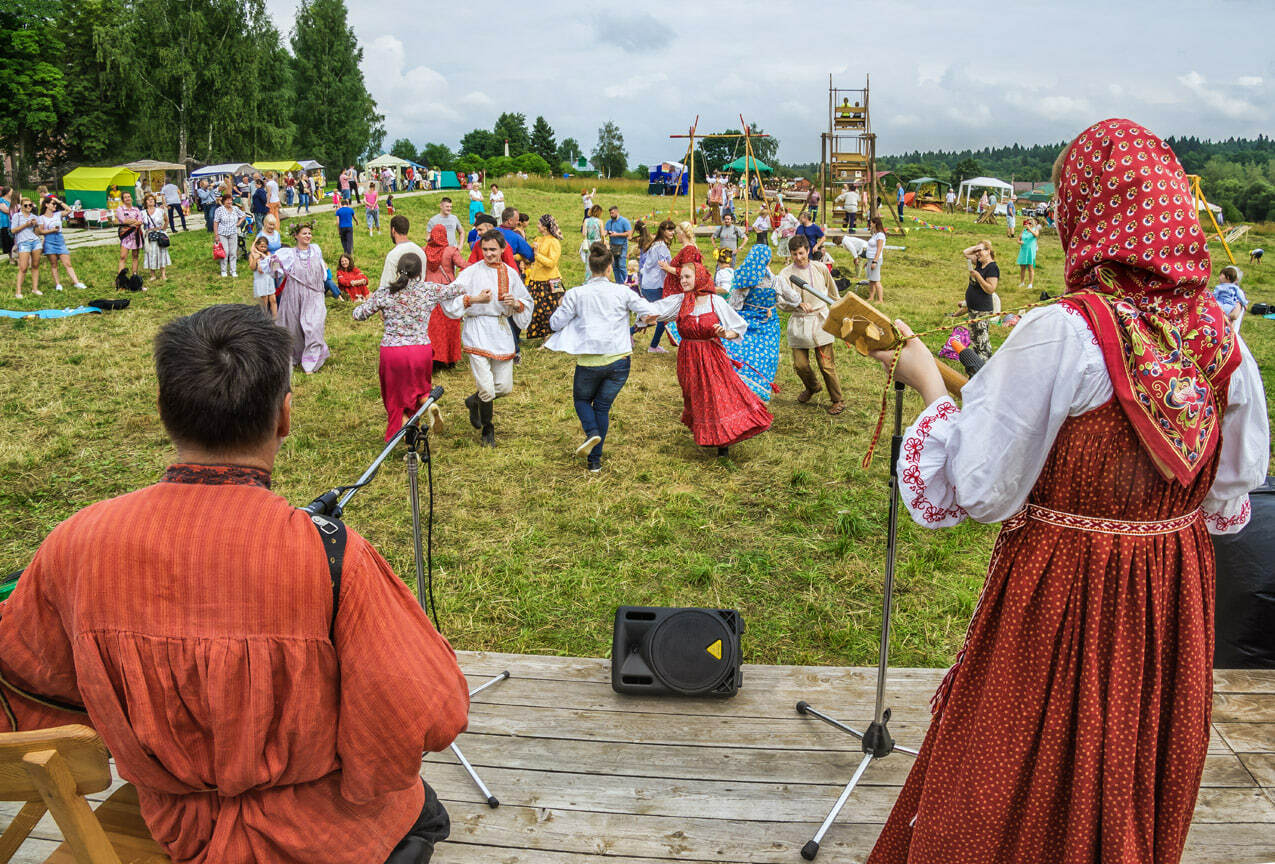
column 469, row 769
column 473, row 775
column 811, row 849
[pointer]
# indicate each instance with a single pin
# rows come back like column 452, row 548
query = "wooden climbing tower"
column 848, row 152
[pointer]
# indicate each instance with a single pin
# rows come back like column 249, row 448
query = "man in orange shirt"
column 260, row 718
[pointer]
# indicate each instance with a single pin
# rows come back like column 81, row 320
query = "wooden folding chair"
column 52, row 770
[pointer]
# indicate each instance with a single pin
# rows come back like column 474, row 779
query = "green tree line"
column 1237, row 174
column 107, row 81
column 536, row 150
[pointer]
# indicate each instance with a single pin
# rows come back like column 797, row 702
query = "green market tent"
column 90, row 185
column 738, row 166
column 1037, row 195
column 448, row 180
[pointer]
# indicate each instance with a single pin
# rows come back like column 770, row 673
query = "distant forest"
column 1238, row 174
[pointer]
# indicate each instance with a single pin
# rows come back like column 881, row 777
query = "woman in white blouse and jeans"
column 593, row 323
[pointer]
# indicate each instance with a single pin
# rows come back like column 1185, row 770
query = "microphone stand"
column 332, row 504
column 876, row 741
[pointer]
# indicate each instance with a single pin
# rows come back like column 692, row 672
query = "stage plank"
column 587, row 776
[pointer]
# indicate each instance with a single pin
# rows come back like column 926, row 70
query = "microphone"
column 972, row 361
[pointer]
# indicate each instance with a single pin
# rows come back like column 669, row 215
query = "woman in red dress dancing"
column 442, row 263
column 717, row 405
column 1111, row 433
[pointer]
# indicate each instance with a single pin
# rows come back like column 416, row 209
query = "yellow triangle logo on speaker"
column 715, row 649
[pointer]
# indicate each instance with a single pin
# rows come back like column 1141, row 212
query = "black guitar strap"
column 332, row 533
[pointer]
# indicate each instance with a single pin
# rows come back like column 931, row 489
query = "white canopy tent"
column 385, row 160
column 1001, row 188
column 310, row 165
column 235, row 168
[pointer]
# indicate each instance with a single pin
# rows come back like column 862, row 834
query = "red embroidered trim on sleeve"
column 919, row 502
column 1221, row 524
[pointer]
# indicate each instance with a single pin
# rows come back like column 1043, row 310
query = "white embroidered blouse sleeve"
column 982, row 461
column 455, row 307
column 1246, row 449
column 728, row 317
column 667, row 308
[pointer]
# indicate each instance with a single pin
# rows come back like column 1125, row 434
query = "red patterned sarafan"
column 911, row 474
column 1137, row 269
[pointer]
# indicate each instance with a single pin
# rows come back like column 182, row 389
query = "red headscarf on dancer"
column 1137, row 269
column 436, row 246
column 703, row 285
column 688, row 254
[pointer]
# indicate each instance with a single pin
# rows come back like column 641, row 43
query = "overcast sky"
column 944, row 74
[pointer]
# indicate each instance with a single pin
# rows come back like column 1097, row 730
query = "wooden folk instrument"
column 865, row 328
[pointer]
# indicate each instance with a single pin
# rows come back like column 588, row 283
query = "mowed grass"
column 531, row 553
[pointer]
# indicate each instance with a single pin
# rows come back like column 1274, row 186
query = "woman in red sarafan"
column 1111, row 433
column 717, row 405
column 442, row 263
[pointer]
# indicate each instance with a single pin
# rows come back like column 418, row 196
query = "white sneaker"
column 590, row 442
column 80, row 285
column 57, row 287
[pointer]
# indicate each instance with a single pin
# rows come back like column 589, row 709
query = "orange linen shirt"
column 191, row 619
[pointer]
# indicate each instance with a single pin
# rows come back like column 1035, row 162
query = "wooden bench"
column 51, row 770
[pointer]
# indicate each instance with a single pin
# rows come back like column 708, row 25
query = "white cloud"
column 404, row 95
column 1227, row 106
column 634, row 85
column 637, row 67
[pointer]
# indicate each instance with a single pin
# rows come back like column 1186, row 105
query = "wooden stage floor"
column 586, row 776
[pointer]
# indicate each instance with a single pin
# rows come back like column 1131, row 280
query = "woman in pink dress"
column 128, row 221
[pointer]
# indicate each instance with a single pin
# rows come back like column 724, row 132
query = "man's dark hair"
column 508, row 213
column 615, row 208
column 484, row 219
column 444, row 200
column 600, row 258
column 493, row 234
column 798, row 241
column 400, row 225
column 223, row 374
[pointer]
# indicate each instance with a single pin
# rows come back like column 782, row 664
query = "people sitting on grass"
column 350, row 279
column 193, row 623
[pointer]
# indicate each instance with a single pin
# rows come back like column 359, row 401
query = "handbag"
column 159, row 238
column 219, row 251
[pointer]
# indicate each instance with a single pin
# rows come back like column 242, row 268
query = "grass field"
column 531, row 553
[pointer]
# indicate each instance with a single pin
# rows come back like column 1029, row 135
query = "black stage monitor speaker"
column 658, row 651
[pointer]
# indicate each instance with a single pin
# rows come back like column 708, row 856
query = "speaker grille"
column 692, row 650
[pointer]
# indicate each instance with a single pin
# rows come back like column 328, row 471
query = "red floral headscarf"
column 1137, row 269
column 688, row 254
column 703, row 285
